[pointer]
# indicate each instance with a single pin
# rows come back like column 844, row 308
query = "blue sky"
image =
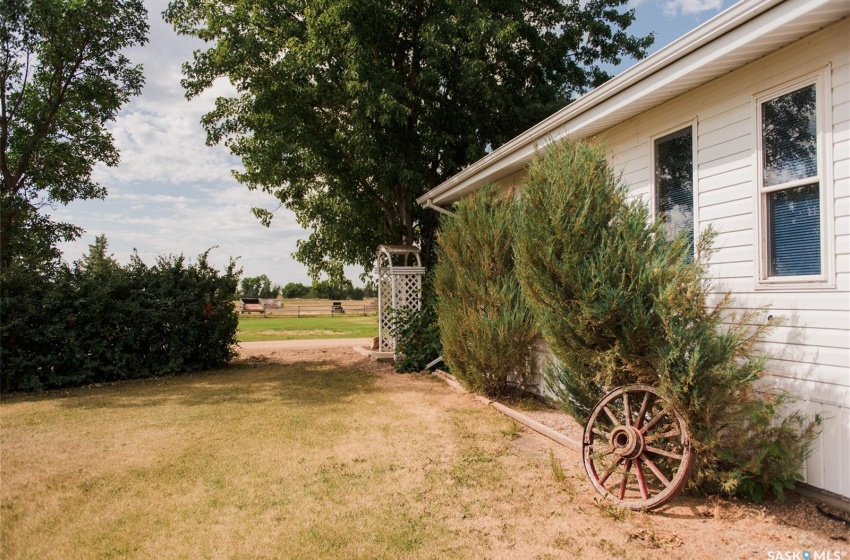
column 172, row 194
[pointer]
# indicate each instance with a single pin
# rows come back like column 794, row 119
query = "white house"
column 743, row 124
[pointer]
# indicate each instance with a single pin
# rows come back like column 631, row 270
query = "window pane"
column 789, row 129
column 674, row 183
column 794, row 216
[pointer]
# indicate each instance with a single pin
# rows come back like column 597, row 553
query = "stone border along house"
column 753, row 110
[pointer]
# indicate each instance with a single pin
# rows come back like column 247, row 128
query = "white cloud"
column 158, row 224
column 150, row 198
column 673, row 8
column 165, row 143
column 180, row 226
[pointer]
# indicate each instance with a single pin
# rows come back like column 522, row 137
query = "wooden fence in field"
column 297, row 310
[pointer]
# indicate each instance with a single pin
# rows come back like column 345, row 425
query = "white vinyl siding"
column 811, row 351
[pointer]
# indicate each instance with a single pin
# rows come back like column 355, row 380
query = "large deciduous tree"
column 347, row 110
column 259, row 287
column 63, row 76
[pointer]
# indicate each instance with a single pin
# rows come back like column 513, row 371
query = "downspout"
column 441, row 210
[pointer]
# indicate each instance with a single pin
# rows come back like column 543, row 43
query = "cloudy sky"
column 172, row 194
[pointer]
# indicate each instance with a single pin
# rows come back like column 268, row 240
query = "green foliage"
column 762, row 448
column 259, row 287
column 335, row 289
column 370, row 289
column 295, row 290
column 485, row 325
column 63, row 76
column 347, row 110
column 585, row 260
column 99, row 321
column 619, row 303
column 417, row 336
column 557, row 468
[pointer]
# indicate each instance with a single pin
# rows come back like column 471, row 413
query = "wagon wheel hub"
column 627, row 442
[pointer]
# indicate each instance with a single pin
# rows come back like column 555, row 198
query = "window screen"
column 794, row 230
column 789, row 158
column 674, row 183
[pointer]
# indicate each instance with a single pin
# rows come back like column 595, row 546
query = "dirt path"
column 569, row 519
column 273, row 347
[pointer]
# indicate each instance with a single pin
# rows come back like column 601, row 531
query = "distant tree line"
column 261, row 287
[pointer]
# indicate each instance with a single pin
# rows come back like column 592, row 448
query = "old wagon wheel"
column 636, row 448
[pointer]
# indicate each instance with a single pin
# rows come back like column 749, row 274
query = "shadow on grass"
column 301, row 384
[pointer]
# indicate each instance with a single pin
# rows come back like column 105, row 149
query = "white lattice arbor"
column 400, row 273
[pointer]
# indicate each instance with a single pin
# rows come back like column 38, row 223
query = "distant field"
column 257, row 328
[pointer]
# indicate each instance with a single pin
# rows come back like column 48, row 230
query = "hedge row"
column 98, row 321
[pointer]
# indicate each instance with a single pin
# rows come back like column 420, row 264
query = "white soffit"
column 745, row 32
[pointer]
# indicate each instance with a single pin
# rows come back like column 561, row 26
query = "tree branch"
column 53, row 108
column 20, row 99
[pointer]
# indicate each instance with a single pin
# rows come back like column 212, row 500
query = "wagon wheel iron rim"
column 636, row 448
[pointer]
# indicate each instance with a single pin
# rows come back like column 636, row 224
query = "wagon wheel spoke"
column 603, row 452
column 657, row 451
column 610, row 471
column 625, row 480
column 643, row 409
column 644, row 493
column 601, row 434
column 626, row 409
column 655, row 437
column 658, row 418
column 611, row 416
column 656, row 471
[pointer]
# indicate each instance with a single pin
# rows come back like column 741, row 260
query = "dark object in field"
column 252, row 305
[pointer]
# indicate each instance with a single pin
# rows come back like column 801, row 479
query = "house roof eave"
column 688, row 62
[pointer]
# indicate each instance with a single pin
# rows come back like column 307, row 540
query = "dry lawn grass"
column 321, row 454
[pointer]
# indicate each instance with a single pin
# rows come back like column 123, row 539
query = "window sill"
column 794, row 284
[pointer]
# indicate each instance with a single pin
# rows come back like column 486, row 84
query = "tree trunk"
column 6, row 223
column 427, row 232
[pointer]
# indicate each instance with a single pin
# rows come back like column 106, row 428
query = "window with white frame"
column 674, row 183
column 791, row 184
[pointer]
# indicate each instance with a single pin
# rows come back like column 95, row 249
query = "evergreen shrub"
column 417, row 336
column 98, row 321
column 620, row 303
column 485, row 325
